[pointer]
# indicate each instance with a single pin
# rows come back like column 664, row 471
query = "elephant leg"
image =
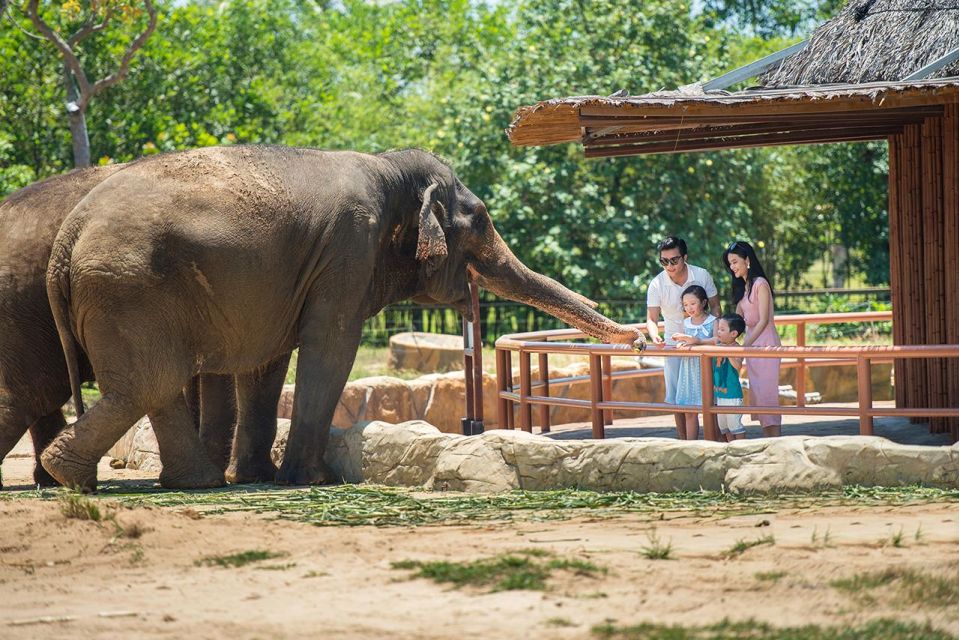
column 43, row 431
column 12, row 427
column 257, row 395
column 323, row 366
column 73, row 455
column 191, row 393
column 184, row 459
column 217, row 416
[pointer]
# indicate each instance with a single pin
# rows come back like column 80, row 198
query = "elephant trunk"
column 500, row 271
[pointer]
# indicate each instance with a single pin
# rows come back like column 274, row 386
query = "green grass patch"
column 76, row 506
column 355, row 505
column 236, row 560
column 506, row 572
column 876, row 630
column 657, row 549
column 906, row 586
column 742, row 546
column 770, row 576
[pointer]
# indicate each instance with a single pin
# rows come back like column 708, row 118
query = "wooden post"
column 709, row 418
column 596, row 395
column 510, row 418
column 544, row 378
column 800, row 366
column 525, row 391
column 607, row 387
column 502, row 405
column 864, row 378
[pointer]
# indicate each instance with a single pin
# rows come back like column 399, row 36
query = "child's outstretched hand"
column 683, row 340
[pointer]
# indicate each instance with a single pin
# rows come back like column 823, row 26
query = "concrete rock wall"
column 418, row 454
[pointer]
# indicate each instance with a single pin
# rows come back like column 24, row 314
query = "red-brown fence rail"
column 601, row 376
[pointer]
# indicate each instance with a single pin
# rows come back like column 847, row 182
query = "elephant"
column 34, row 383
column 221, row 259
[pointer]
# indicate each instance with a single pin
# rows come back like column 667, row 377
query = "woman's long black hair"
column 745, row 251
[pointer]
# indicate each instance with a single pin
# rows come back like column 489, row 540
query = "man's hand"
column 658, row 340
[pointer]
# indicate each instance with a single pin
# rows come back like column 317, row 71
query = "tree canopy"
column 447, row 75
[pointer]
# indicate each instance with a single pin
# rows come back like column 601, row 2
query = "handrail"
column 601, row 376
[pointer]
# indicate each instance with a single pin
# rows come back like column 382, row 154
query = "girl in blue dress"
column 697, row 327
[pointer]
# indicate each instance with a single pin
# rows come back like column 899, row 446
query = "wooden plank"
column 544, row 424
column 772, row 140
column 759, row 104
column 671, row 117
column 688, row 133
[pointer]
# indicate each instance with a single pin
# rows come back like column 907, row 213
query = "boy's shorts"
column 730, row 422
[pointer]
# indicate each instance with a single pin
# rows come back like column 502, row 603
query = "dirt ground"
column 64, row 577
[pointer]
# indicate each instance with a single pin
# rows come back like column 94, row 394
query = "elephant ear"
column 431, row 242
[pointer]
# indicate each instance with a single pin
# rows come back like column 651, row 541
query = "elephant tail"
column 58, row 293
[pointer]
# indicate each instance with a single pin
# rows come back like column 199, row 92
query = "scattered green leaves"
column 911, row 587
column 742, row 546
column 726, row 630
column 525, row 569
column 240, row 559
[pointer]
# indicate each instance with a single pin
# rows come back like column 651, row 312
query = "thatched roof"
column 874, row 40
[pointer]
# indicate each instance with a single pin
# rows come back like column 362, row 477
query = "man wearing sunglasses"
column 664, row 296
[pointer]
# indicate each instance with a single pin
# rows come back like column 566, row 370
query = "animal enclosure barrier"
column 513, row 395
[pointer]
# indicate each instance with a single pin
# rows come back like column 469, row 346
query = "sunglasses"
column 671, row 261
column 732, row 246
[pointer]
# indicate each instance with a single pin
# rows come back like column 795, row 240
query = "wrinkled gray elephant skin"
column 219, row 260
column 34, row 383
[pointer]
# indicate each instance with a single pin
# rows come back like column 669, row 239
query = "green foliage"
column 241, row 559
column 447, row 75
column 524, row 569
column 729, row 630
column 910, row 588
column 76, row 506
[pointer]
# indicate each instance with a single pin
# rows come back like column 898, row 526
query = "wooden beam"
column 763, row 140
column 712, row 132
column 750, row 105
column 609, row 120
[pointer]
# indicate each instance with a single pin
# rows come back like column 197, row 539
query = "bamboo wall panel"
column 924, row 259
column 950, row 176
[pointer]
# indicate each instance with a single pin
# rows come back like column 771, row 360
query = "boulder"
column 427, row 352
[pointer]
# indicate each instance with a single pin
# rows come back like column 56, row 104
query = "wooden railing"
column 600, row 378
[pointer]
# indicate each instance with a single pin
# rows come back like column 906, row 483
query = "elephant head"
column 454, row 237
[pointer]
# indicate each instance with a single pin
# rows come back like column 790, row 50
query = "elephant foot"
column 295, row 472
column 251, row 472
column 68, row 470
column 42, row 478
column 202, row 477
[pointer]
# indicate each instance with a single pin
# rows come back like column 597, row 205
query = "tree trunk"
column 78, row 122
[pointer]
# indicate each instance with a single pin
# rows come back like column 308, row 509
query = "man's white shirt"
column 668, row 296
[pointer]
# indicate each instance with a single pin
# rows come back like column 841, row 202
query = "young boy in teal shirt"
column 727, row 390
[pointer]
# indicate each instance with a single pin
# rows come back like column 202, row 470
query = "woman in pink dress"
column 753, row 297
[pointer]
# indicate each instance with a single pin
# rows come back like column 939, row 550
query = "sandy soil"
column 69, row 578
